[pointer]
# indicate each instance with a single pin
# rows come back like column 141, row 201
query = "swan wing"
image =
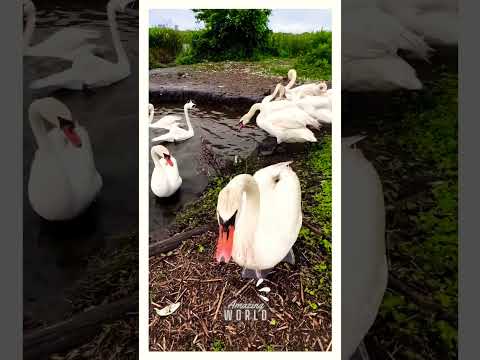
column 166, row 121
column 64, row 43
column 280, row 215
column 288, row 119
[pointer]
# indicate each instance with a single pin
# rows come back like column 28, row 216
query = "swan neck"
column 117, row 43
column 248, row 116
column 37, row 123
column 292, row 80
column 29, row 29
column 249, row 186
column 156, row 158
column 187, row 119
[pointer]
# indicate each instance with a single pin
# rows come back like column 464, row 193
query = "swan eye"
column 276, row 179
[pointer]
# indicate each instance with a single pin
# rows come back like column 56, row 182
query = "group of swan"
column 88, row 70
column 166, row 180
column 373, row 31
column 287, row 113
column 63, row 179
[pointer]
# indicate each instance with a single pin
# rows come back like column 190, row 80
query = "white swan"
column 259, row 218
column 63, row 179
column 302, row 90
column 283, row 120
column 176, row 133
column 434, row 20
column 90, row 71
column 364, row 264
column 64, row 44
column 165, row 122
column 165, row 179
column 371, row 39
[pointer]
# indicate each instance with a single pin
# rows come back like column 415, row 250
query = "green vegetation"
column 422, row 233
column 242, row 35
column 218, row 345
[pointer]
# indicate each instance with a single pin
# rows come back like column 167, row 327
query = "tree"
column 231, row 34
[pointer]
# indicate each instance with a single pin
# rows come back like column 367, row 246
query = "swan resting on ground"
column 364, row 263
column 89, row 71
column 63, row 178
column 64, row 44
column 259, row 219
column 165, row 180
column 176, row 133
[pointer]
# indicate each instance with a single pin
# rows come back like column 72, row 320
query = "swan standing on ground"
column 284, row 121
column 90, row 71
column 165, row 122
column 63, row 179
column 176, row 133
column 64, row 44
column 364, row 263
column 165, row 179
column 259, row 219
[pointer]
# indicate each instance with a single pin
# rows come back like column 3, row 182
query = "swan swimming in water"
column 88, row 70
column 63, row 178
column 165, row 179
column 165, row 122
column 176, row 133
column 64, row 44
column 259, row 219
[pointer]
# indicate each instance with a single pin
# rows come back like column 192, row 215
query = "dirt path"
column 211, row 83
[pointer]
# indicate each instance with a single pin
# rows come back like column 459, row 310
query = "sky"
column 293, row 21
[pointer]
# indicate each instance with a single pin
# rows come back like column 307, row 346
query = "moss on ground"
column 417, row 160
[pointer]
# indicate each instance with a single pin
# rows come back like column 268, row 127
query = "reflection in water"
column 219, row 132
column 54, row 254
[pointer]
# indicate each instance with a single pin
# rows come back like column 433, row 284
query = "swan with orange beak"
column 259, row 219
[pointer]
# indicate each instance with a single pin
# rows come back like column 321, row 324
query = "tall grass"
column 293, row 45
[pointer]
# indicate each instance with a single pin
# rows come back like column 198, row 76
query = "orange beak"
column 225, row 243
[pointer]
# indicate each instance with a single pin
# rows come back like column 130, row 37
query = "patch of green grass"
column 316, row 180
column 269, row 348
column 427, row 253
column 218, row 345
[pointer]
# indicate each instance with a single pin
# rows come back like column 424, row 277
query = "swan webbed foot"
column 255, row 274
column 290, row 257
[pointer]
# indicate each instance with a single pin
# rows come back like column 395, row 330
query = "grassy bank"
column 414, row 149
column 309, row 53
